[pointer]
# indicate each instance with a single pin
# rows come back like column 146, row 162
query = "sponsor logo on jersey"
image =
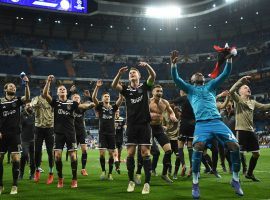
column 137, row 100
column 104, row 116
column 63, row 112
column 7, row 113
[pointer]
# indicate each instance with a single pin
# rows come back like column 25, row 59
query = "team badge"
column 140, row 91
column 68, row 107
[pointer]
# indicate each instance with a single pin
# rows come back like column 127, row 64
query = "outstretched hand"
column 225, row 93
column 73, row 88
column 25, row 78
column 99, row 83
column 122, row 70
column 143, row 64
column 246, row 79
column 174, row 56
column 50, row 78
column 86, row 93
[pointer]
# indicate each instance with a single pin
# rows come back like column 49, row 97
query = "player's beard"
column 158, row 95
column 10, row 93
column 29, row 110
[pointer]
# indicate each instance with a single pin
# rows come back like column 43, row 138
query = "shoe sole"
column 145, row 192
column 237, row 192
column 167, row 181
column 195, row 197
column 14, row 193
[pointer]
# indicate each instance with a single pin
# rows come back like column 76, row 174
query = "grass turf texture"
column 91, row 187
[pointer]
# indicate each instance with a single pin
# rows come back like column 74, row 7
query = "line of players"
column 144, row 119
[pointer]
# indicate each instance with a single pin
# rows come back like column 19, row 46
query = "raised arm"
column 223, row 76
column 178, row 81
column 94, row 96
column 71, row 91
column 237, row 85
column 261, row 106
column 119, row 100
column 26, row 96
column 46, row 89
column 116, row 84
column 226, row 94
column 86, row 106
column 152, row 74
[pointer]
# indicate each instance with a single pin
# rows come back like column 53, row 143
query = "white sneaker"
column 137, row 179
column 1, row 189
column 41, row 170
column 103, row 176
column 146, row 188
column 131, row 186
column 110, row 178
column 14, row 190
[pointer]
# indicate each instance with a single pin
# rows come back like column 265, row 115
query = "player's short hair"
column 135, row 69
column 60, row 86
column 74, row 95
column 241, row 87
column 157, row 86
column 105, row 93
column 6, row 85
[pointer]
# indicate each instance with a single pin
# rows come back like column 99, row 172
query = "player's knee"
column 112, row 153
column 145, row 151
column 256, row 154
column 73, row 156
column 102, row 153
column 199, row 146
column 57, row 155
column 15, row 157
column 167, row 147
column 84, row 151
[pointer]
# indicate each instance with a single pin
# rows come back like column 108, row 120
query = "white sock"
column 235, row 176
column 195, row 177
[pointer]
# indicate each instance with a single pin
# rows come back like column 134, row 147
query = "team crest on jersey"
column 140, row 90
column 68, row 107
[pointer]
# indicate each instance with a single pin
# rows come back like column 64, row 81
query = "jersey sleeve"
column 20, row 102
column 124, row 90
column 115, row 108
column 53, row 103
column 178, row 80
column 75, row 105
column 99, row 107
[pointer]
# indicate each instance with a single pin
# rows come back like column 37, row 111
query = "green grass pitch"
column 92, row 188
